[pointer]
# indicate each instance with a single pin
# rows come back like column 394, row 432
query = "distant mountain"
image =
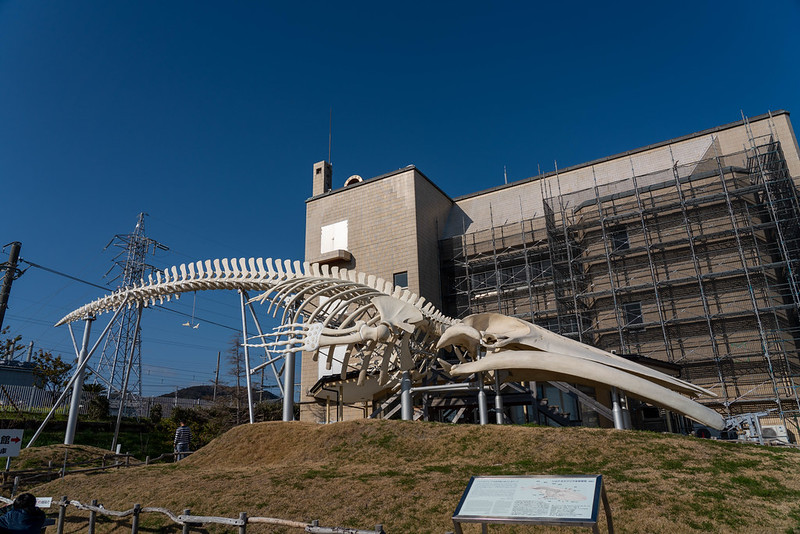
column 207, row 393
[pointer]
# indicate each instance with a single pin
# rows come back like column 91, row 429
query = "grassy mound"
column 409, row 476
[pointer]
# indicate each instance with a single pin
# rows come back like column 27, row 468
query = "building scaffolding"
column 696, row 265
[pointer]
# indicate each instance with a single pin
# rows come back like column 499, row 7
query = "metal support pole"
column 185, row 529
column 626, row 411
column 406, row 404
column 483, row 409
column 62, row 514
column 124, row 392
column 619, row 422
column 92, row 518
column 77, row 386
column 216, row 377
column 288, row 387
column 247, row 361
column 498, row 399
column 137, row 509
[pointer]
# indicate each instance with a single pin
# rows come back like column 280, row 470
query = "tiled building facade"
column 687, row 252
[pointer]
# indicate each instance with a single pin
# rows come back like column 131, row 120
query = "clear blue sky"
column 209, row 115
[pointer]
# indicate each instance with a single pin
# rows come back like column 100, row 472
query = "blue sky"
column 208, row 116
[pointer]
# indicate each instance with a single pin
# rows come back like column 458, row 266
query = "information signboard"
column 568, row 500
column 10, row 441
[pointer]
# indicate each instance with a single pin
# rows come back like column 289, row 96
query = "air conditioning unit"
column 772, row 434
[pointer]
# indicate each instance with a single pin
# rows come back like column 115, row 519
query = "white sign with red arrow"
column 10, row 441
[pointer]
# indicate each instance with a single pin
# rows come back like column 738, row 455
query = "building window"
column 619, row 239
column 401, row 279
column 633, row 313
column 484, row 280
column 334, row 237
column 540, row 268
column 319, row 170
column 513, row 275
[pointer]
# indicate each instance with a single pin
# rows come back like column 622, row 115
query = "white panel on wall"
column 334, row 237
column 336, row 365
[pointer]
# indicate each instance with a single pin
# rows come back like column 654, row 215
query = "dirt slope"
column 410, row 475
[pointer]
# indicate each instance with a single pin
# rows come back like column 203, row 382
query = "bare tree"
column 235, row 359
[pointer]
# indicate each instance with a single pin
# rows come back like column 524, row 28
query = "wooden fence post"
column 243, row 527
column 186, row 525
column 62, row 514
column 146, row 460
column 92, row 517
column 135, row 522
column 15, row 486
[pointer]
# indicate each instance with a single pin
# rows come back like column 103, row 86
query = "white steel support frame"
column 247, row 359
column 483, row 409
column 619, row 419
column 82, row 362
column 498, row 399
column 288, row 387
column 77, row 385
column 407, row 411
column 269, row 359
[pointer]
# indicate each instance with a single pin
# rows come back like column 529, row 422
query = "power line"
column 65, row 275
column 104, row 288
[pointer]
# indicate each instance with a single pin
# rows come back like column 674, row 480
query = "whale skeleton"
column 393, row 333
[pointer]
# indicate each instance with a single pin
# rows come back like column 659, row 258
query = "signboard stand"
column 568, row 500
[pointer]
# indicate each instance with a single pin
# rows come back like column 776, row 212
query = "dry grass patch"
column 410, row 475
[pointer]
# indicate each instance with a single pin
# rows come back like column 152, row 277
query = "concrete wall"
column 393, row 224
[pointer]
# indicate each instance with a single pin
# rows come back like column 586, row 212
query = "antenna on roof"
column 330, row 129
column 505, row 174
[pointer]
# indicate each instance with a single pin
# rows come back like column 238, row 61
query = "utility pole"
column 216, row 377
column 11, row 274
